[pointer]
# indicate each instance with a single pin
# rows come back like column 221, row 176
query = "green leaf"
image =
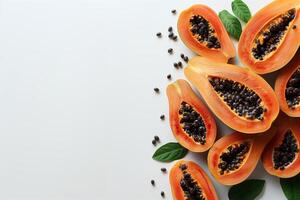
column 169, row 152
column 291, row 187
column 241, row 10
column 247, row 190
column 231, row 23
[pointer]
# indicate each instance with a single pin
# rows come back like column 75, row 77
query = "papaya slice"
column 202, row 31
column 287, row 87
column 271, row 38
column 233, row 157
column 241, row 99
column 189, row 181
column 191, row 122
column 281, row 156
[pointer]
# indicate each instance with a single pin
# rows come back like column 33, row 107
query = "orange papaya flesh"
column 287, row 87
column 238, row 97
column 271, row 38
column 281, row 156
column 192, row 124
column 187, row 176
column 202, row 31
column 233, row 157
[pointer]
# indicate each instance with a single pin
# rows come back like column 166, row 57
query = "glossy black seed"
column 180, row 64
column 285, row 153
column 174, row 38
column 162, row 194
column 162, row 117
column 192, row 123
column 170, row 50
column 182, row 56
column 232, row 158
column 152, row 182
column 174, row 11
column 159, row 34
column 154, row 142
column 170, row 29
column 295, row 26
column 272, row 35
column 204, row 32
column 176, row 65
column 189, row 186
column 156, row 90
column 164, row 170
column 186, row 59
column 169, row 77
column 156, row 138
column 242, row 100
column 171, row 35
column 292, row 91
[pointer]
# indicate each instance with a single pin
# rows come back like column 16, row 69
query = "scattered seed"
column 171, row 35
column 170, row 29
column 156, row 90
column 170, row 50
column 175, row 65
column 174, row 38
column 182, row 56
column 159, row 34
column 174, row 11
column 162, row 194
column 186, row 59
column 164, row 170
column 154, row 142
column 162, row 117
column 169, row 77
column 156, row 138
column 152, row 182
column 179, row 64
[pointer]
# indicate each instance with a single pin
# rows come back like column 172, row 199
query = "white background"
column 77, row 107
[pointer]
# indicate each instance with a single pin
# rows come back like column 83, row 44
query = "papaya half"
column 191, row 122
column 271, row 38
column 233, row 157
column 281, row 156
column 187, row 179
column 202, row 31
column 240, row 98
column 287, row 87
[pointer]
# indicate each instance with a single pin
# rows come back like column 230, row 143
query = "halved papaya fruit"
column 187, row 179
column 233, row 157
column 271, row 38
column 202, row 31
column 191, row 122
column 281, row 156
column 240, row 98
column 287, row 87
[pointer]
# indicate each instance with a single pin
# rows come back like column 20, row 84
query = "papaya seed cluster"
column 292, row 91
column 192, row 123
column 204, row 32
column 191, row 189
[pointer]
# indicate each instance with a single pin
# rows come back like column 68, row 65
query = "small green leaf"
column 231, row 23
column 241, row 10
column 291, row 187
column 247, row 190
column 169, row 152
